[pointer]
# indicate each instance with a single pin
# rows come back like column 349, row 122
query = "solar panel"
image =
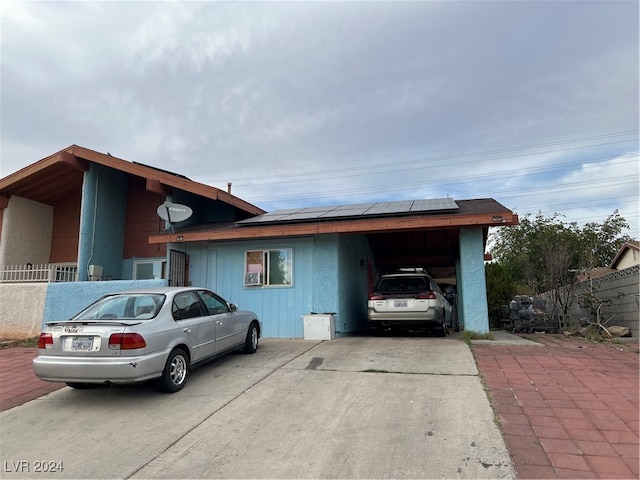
column 361, row 210
column 355, row 206
column 434, row 204
column 403, row 206
column 356, row 212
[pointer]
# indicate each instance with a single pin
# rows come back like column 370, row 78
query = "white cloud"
column 299, row 103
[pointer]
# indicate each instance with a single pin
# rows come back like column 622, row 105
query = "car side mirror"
column 233, row 307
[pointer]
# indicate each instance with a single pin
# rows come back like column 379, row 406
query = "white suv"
column 409, row 300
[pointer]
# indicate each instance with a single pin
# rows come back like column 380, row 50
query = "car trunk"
column 86, row 339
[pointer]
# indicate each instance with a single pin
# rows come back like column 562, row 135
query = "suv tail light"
column 377, row 297
column 430, row 295
column 126, row 341
column 45, row 340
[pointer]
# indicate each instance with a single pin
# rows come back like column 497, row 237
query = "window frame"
column 153, row 261
column 258, row 262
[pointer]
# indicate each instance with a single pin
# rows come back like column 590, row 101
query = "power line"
column 365, row 169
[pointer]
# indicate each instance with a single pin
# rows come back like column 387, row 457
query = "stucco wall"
column 26, row 232
column 21, row 309
column 472, row 288
column 325, row 275
column 104, row 195
column 25, row 307
column 64, row 300
column 623, row 287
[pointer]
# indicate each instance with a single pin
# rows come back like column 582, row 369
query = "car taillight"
column 126, row 341
column 376, row 297
column 430, row 295
column 45, row 339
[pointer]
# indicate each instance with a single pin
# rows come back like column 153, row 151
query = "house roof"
column 484, row 212
column 55, row 177
column 632, row 245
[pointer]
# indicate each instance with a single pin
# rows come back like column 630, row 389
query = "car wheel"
column 175, row 372
column 80, row 385
column 251, row 343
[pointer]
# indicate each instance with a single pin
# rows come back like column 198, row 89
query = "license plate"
column 399, row 303
column 82, row 343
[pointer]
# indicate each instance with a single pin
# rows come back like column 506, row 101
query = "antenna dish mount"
column 173, row 212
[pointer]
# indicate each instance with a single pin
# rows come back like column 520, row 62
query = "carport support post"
column 472, row 287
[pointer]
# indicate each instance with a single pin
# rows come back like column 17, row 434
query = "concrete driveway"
column 354, row 407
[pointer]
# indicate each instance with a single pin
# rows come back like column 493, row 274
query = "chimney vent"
column 229, row 187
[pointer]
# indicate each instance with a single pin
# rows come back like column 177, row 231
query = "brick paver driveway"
column 569, row 409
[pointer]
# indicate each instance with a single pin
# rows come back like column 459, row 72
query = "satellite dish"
column 174, row 212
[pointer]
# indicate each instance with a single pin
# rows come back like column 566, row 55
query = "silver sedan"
column 139, row 335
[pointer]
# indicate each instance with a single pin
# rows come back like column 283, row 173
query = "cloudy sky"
column 533, row 103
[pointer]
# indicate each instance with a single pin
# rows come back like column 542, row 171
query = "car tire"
column 443, row 327
column 80, row 385
column 251, row 342
column 176, row 371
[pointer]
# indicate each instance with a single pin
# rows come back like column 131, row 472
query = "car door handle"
column 187, row 330
column 219, row 322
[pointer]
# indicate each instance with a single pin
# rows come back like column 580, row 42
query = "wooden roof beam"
column 155, row 186
column 73, row 161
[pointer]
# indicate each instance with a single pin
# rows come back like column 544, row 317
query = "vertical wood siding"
column 65, row 233
column 141, row 221
column 280, row 308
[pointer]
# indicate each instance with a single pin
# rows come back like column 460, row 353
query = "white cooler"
column 319, row 326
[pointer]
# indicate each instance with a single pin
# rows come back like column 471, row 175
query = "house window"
column 149, row 268
column 271, row 268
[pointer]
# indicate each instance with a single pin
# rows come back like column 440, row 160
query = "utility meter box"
column 319, row 326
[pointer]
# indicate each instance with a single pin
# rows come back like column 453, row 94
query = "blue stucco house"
column 97, row 216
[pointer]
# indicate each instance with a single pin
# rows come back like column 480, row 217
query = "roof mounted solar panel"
column 356, row 211
column 403, row 206
column 343, row 212
column 434, row 204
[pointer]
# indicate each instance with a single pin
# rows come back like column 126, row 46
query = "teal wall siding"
column 220, row 267
column 329, row 276
column 65, row 299
column 104, row 197
column 472, row 288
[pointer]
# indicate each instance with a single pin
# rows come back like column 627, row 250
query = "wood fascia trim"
column 166, row 179
column 58, row 157
column 377, row 225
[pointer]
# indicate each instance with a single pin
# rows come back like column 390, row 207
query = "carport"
column 445, row 237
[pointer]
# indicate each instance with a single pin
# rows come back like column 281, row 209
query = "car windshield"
column 402, row 284
column 123, row 306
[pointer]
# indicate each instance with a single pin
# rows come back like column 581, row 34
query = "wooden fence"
column 47, row 272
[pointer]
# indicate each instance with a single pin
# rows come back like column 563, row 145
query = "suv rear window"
column 403, row 284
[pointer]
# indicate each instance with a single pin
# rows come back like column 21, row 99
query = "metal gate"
column 178, row 269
